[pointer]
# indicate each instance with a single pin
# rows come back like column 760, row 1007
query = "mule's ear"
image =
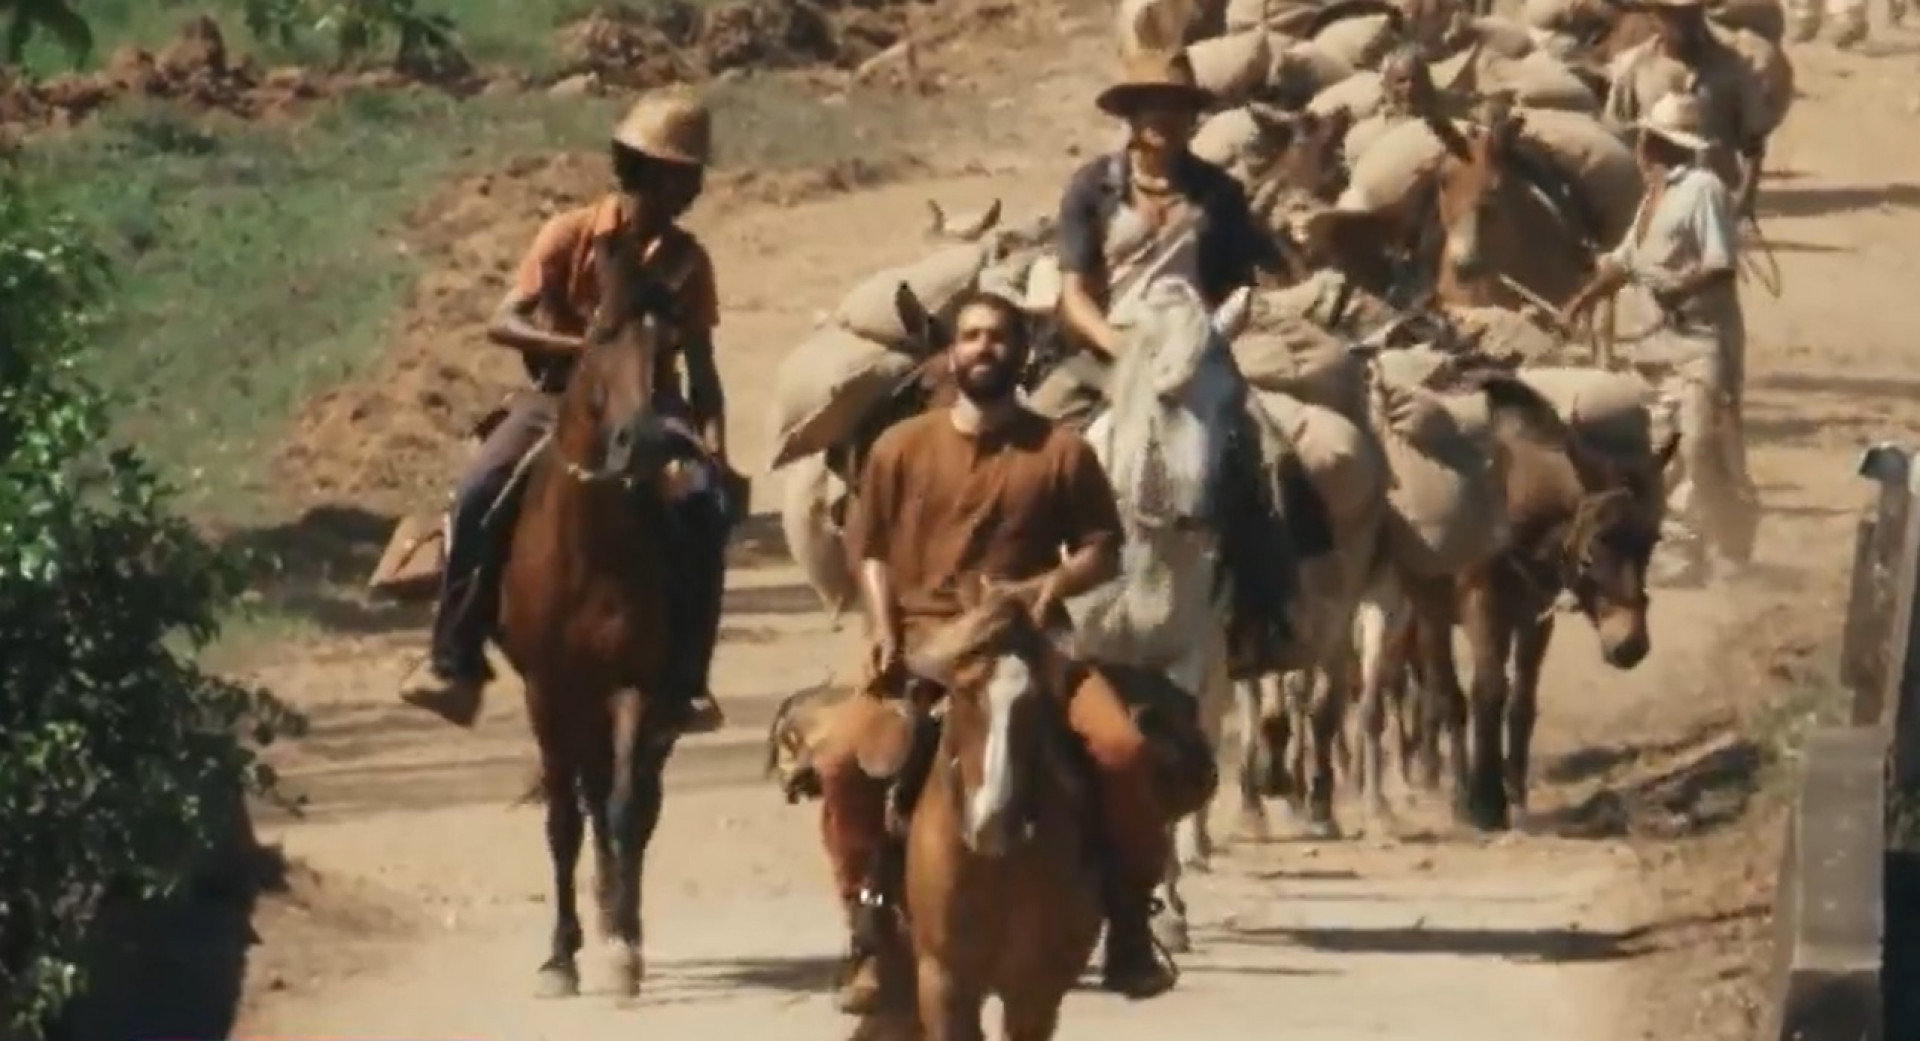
column 1230, row 319
column 988, row 220
column 921, row 328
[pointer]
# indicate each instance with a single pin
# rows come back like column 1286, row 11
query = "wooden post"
column 1891, row 702
column 1898, row 710
column 1876, row 646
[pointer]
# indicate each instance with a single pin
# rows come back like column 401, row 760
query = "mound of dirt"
column 196, row 69
column 679, row 40
column 396, row 441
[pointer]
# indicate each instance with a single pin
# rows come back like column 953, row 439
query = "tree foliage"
column 119, row 758
column 56, row 18
column 422, row 41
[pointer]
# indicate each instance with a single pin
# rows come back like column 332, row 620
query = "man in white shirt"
column 1681, row 256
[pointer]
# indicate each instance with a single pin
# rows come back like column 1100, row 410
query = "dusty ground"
column 421, row 906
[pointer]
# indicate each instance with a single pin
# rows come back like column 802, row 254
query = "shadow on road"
column 704, row 978
column 1552, row 945
column 174, row 969
column 1815, row 201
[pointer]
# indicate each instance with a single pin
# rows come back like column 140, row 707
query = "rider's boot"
column 450, row 682
column 1132, row 965
column 696, row 588
column 860, row 989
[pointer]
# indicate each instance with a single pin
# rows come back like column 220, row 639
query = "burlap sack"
column 1302, row 68
column 1393, row 167
column 824, row 386
column 1444, row 508
column 1358, row 94
column 1504, row 37
column 1008, row 275
column 1504, row 333
column 1245, row 14
column 1766, row 19
column 1314, row 298
column 1409, row 368
column 1367, row 132
column 1232, row 140
column 1768, row 63
column 1610, row 411
column 1341, row 457
column 938, row 280
column 1360, row 41
column 1595, row 159
column 1042, row 294
column 814, row 541
column 1548, row 14
column 1538, row 80
column 1232, row 67
column 1287, row 350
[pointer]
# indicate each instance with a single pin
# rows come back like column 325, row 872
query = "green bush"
column 119, row 759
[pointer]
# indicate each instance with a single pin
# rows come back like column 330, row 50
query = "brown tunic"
column 940, row 507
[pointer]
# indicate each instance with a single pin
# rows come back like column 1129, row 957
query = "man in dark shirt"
column 1155, row 210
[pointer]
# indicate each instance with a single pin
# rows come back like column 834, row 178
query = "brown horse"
column 1581, row 522
column 1002, row 892
column 583, row 614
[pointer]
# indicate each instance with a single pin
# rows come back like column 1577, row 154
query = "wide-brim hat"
column 1154, row 78
column 671, row 124
column 1675, row 5
column 1676, row 118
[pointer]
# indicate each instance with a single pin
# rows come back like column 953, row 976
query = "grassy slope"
column 260, row 264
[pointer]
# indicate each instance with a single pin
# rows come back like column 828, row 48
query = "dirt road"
column 426, row 912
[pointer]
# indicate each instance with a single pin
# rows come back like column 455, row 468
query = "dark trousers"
column 482, row 524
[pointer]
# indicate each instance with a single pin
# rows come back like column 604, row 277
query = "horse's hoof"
column 558, row 979
column 1321, row 826
column 628, row 967
column 1170, row 931
column 1252, row 826
column 1380, row 823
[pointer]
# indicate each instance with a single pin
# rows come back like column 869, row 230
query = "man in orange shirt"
column 660, row 153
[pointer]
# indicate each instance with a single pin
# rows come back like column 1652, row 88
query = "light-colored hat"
column 1676, row 117
column 1676, row 4
column 1151, row 77
column 671, row 124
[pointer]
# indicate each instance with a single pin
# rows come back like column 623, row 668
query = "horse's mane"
column 1159, row 456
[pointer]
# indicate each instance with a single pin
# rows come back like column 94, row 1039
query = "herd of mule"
column 1448, row 181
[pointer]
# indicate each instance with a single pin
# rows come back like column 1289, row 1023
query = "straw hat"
column 671, row 124
column 1679, row 5
column 1154, row 77
column 1676, row 117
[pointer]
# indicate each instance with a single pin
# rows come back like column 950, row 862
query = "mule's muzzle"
column 1469, row 266
column 1624, row 644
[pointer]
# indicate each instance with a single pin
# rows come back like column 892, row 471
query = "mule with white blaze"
column 1162, row 441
